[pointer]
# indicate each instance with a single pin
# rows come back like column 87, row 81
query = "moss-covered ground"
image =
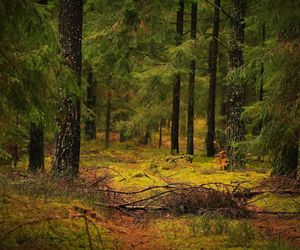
column 37, row 212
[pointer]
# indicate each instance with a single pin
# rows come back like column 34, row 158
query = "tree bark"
column 67, row 139
column 90, row 123
column 191, row 90
column 211, row 110
column 36, row 148
column 107, row 123
column 235, row 91
column 36, row 139
column 160, row 133
column 258, row 127
column 16, row 147
column 287, row 162
column 147, row 137
column 176, row 85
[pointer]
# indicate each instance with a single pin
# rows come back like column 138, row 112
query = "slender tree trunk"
column 287, row 162
column 67, row 139
column 160, row 133
column 261, row 87
column 36, row 148
column 36, row 139
column 211, row 110
column 176, row 85
column 147, row 137
column 16, row 147
column 123, row 137
column 90, row 123
column 235, row 91
column 191, row 90
column 107, row 124
column 262, row 69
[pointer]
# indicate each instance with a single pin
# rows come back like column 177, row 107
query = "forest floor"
column 37, row 212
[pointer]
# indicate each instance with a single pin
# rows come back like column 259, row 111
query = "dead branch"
column 88, row 233
column 182, row 199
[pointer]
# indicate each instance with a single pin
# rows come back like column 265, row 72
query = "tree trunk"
column 36, row 148
column 123, row 136
column 258, row 127
column 90, row 123
column 211, row 110
column 36, row 139
column 147, row 137
column 67, row 139
column 45, row 2
column 262, row 69
column 235, row 91
column 287, row 163
column 191, row 90
column 176, row 85
column 107, row 124
column 16, row 147
column 160, row 133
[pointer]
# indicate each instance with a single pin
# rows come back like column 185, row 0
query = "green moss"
column 277, row 203
column 134, row 168
column 35, row 223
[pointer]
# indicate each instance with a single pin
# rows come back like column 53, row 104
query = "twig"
column 88, row 233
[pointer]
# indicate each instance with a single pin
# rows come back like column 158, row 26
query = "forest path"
column 132, row 233
column 277, row 227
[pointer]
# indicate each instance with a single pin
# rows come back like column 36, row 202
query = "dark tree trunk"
column 262, row 69
column 36, row 139
column 90, row 123
column 211, row 110
column 16, row 147
column 176, row 85
column 123, row 137
column 45, row 2
column 258, row 127
column 67, row 139
column 107, row 123
column 36, row 148
column 235, row 91
column 169, row 124
column 160, row 133
column 287, row 163
column 147, row 138
column 191, row 90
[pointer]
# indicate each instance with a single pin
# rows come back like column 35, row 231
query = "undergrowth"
column 51, row 214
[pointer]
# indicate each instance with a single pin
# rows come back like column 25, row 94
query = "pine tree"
column 27, row 82
column 36, row 139
column 108, row 117
column 191, row 88
column 36, row 147
column 210, row 137
column 235, row 89
column 160, row 133
column 278, row 111
column 176, row 85
column 67, row 139
column 90, row 123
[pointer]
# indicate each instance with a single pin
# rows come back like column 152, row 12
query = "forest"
column 149, row 124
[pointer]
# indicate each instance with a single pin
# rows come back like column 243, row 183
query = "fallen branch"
column 181, row 199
